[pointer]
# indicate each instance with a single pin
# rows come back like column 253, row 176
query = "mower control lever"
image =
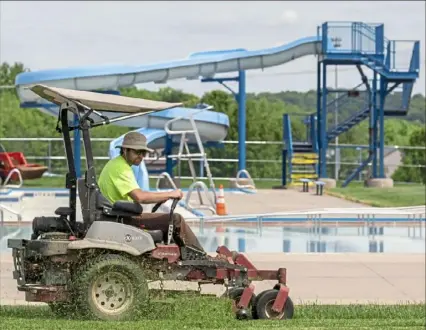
column 170, row 231
column 157, row 206
column 174, row 204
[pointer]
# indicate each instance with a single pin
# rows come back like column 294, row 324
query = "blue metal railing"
column 344, row 116
column 408, row 59
column 288, row 139
column 355, row 173
column 288, row 146
column 346, row 125
column 355, row 37
column 342, row 99
column 407, row 88
column 368, row 40
column 313, row 133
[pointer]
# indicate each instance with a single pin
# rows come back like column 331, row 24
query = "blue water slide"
column 213, row 126
column 195, row 66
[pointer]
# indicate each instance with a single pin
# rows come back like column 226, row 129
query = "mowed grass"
column 398, row 196
column 190, row 311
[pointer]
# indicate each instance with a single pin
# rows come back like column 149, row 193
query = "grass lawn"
column 190, row 312
column 398, row 196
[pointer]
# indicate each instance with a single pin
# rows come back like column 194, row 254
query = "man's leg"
column 160, row 221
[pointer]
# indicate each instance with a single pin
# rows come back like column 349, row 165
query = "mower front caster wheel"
column 235, row 295
column 262, row 308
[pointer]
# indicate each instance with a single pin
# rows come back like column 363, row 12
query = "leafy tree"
column 264, row 113
column 8, row 73
column 415, row 158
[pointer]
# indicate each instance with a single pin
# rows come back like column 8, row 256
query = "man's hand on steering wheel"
column 176, row 194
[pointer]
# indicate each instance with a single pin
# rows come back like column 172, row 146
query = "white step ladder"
column 185, row 154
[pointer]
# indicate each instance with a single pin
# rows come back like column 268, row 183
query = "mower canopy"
column 99, row 101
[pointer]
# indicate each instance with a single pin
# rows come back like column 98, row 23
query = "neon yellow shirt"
column 117, row 180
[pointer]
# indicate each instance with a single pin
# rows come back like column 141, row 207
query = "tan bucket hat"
column 135, row 140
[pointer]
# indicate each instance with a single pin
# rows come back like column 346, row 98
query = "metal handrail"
column 168, row 177
column 359, row 212
column 248, row 186
column 5, row 208
column 21, row 181
column 200, row 185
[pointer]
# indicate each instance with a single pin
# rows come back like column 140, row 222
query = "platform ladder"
column 301, row 156
column 184, row 153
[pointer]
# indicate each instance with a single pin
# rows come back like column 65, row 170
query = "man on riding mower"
column 117, row 182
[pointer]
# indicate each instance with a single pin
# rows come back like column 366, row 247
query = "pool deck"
column 342, row 278
column 270, row 201
column 263, row 201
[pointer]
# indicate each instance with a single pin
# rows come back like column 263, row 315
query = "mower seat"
column 111, row 211
column 119, row 208
column 125, row 208
column 157, row 235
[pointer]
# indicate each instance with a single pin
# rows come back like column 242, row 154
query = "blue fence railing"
column 288, row 147
column 353, row 37
column 403, row 56
column 407, row 87
column 369, row 40
column 346, row 109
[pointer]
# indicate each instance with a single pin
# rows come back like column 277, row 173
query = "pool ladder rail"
column 200, row 186
column 6, row 185
column 184, row 153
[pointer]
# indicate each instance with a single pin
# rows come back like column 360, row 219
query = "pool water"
column 294, row 239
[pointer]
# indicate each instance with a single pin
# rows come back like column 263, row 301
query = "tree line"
column 264, row 123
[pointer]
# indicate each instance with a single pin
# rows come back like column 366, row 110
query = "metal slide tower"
column 364, row 46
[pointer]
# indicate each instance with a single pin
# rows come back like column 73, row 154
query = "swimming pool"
column 290, row 239
column 318, row 231
column 31, row 202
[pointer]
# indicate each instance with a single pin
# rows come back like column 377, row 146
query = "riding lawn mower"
column 102, row 265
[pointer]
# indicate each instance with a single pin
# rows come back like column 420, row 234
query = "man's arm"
column 147, row 197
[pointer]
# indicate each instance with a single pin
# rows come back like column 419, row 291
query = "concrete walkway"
column 270, row 200
column 321, row 278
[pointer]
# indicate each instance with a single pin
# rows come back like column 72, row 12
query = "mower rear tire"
column 111, row 288
column 265, row 301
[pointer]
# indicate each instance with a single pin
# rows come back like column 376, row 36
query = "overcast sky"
column 57, row 34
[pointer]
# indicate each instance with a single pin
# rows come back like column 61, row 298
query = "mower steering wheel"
column 157, row 206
